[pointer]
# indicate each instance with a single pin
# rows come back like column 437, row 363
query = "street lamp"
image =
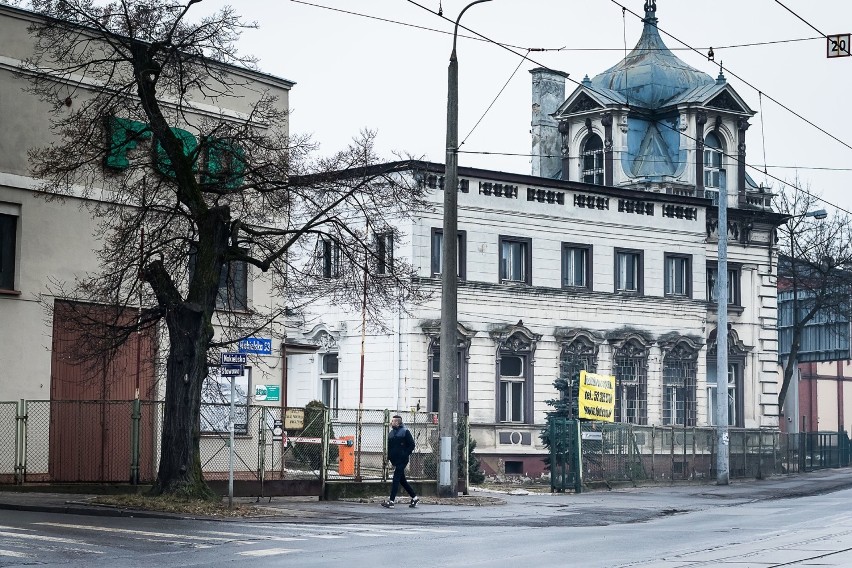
column 448, row 385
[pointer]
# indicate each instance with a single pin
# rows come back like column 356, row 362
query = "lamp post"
column 448, row 384
column 722, row 437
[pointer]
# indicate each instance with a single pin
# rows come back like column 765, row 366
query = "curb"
column 72, row 509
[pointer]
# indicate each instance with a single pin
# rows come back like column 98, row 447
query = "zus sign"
column 838, row 45
column 222, row 162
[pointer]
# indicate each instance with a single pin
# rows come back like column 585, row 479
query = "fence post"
column 466, row 457
column 261, row 448
column 326, row 433
column 21, row 442
column 578, row 457
column 135, row 418
column 653, row 453
column 385, row 446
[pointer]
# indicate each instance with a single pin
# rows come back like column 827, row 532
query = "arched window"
column 714, row 171
column 581, row 354
column 679, row 378
column 593, row 160
column 630, row 366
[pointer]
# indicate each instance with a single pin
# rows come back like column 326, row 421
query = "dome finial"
column 651, row 11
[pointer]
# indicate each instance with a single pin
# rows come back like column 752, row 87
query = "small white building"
column 603, row 259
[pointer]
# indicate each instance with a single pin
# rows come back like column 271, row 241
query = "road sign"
column 231, row 359
column 255, row 345
column 231, row 371
column 838, row 45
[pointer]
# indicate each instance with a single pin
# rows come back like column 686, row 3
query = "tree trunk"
column 180, row 458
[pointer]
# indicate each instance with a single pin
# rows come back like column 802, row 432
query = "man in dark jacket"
column 400, row 446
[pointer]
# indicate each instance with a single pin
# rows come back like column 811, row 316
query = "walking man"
column 400, row 446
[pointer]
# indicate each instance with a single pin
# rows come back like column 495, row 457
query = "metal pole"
column 231, row 449
column 448, row 384
column 722, row 438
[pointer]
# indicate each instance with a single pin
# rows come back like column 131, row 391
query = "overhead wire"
column 525, row 57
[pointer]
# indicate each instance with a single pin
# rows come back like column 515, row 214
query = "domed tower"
column 650, row 122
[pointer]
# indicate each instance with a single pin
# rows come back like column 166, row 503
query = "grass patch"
column 170, row 504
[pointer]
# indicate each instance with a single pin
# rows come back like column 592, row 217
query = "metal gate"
column 566, row 470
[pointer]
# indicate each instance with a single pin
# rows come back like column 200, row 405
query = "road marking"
column 14, row 554
column 182, row 537
column 254, row 536
column 325, row 536
column 4, row 527
column 43, row 537
column 268, row 552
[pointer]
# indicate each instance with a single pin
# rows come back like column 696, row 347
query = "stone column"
column 548, row 93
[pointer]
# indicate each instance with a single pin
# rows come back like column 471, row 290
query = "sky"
column 354, row 72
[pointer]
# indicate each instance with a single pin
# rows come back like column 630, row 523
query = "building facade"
column 603, row 259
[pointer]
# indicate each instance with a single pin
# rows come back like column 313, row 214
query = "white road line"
column 43, row 537
column 5, row 528
column 268, row 552
column 182, row 537
column 253, row 536
column 325, row 536
column 374, row 535
column 14, row 554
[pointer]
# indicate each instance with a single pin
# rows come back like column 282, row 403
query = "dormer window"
column 593, row 160
column 714, row 172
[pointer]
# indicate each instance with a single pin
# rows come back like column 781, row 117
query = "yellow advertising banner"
column 597, row 397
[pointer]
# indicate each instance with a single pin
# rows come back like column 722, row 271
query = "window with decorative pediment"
column 593, row 160
column 515, row 348
column 630, row 367
column 578, row 354
column 714, row 169
column 680, row 367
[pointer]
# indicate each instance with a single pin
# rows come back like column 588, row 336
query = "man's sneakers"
column 388, row 504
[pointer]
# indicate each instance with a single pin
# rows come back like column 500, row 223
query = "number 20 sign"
column 838, row 45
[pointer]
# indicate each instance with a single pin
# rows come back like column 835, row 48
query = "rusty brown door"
column 91, row 389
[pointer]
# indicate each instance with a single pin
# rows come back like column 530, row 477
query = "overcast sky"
column 354, row 72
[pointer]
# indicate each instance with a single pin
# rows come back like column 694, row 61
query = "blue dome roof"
column 651, row 74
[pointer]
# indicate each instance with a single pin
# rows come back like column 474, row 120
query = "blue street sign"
column 256, row 345
column 230, row 359
column 231, row 371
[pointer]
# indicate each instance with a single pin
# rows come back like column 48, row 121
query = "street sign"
column 231, row 371
column 231, row 359
column 837, row 45
column 255, row 345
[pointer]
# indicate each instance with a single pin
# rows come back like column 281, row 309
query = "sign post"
column 837, row 45
column 232, row 366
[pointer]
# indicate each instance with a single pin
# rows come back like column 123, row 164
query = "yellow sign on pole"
column 597, row 397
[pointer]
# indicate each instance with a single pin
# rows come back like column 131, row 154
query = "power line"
column 525, row 57
column 810, row 25
column 541, row 49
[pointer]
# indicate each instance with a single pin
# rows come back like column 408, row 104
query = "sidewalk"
column 593, row 508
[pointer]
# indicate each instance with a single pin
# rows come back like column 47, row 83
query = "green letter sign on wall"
column 225, row 162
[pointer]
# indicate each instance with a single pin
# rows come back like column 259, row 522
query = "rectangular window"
column 435, row 378
column 8, row 247
column 678, row 275
column 679, row 392
column 628, row 271
column 330, row 258
column 512, row 382
column 384, row 253
column 515, row 265
column 233, row 287
column 328, row 380
column 576, row 266
column 734, row 272
column 438, row 252
column 733, row 394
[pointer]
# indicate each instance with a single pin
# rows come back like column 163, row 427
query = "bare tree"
column 187, row 197
column 815, row 265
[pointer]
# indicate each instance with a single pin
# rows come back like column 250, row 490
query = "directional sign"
column 231, row 359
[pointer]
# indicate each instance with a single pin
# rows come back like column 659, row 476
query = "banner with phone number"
column 597, row 397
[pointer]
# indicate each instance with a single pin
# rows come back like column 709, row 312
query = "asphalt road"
column 804, row 531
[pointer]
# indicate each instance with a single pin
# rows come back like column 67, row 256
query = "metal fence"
column 627, row 452
column 119, row 442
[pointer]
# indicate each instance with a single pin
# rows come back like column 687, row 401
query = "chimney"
column 548, row 92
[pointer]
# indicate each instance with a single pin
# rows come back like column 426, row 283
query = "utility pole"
column 722, row 438
column 448, row 390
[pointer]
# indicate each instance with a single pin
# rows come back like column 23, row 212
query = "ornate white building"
column 603, row 259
